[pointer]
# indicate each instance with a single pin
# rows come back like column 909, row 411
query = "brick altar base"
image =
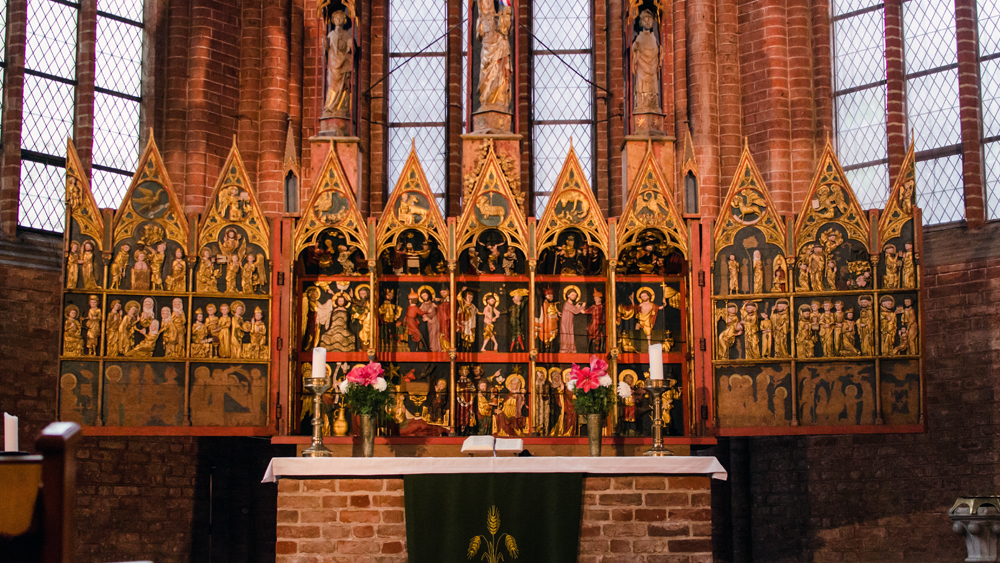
column 637, row 519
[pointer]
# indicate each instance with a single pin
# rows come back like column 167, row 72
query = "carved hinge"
column 704, row 412
column 702, row 345
column 277, row 411
column 281, row 278
column 279, row 343
column 701, row 278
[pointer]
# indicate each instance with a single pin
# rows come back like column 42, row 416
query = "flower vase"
column 367, row 435
column 595, row 426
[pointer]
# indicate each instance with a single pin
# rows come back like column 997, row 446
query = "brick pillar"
column 616, row 106
column 601, row 101
column 83, row 127
column 524, row 85
column 173, row 143
column 680, row 85
column 895, row 72
column 364, row 126
column 703, row 88
column 822, row 84
column 249, row 125
column 453, row 119
column 801, row 98
column 379, row 149
column 273, row 106
column 730, row 98
column 13, row 92
column 199, row 115
column 296, row 59
column 667, row 74
column 968, row 92
column 312, row 89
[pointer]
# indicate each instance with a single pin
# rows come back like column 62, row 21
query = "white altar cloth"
column 355, row 467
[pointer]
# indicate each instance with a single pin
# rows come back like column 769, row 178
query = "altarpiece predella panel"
column 129, row 344
column 816, row 320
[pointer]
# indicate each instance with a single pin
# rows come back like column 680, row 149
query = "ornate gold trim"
column 403, row 212
column 651, row 206
column 899, row 208
column 168, row 215
column 579, row 209
column 80, row 204
column 485, row 201
column 325, row 212
column 508, row 167
column 748, row 196
column 830, row 200
column 228, row 209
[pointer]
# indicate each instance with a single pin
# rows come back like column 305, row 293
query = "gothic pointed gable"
column 748, row 204
column 233, row 202
column 490, row 204
column 151, row 200
column 332, row 206
column 412, row 205
column 899, row 208
column 572, row 205
column 651, row 206
column 830, row 200
column 85, row 218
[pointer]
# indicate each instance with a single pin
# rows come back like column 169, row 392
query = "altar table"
column 643, row 509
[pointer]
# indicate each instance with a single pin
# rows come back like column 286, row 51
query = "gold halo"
column 652, row 294
column 491, row 294
column 69, row 308
column 888, row 298
column 635, row 376
column 67, row 381
column 232, row 306
column 312, row 290
column 358, row 290
column 569, row 288
column 555, row 372
column 130, row 304
column 113, row 373
column 512, row 377
column 429, row 290
column 565, row 375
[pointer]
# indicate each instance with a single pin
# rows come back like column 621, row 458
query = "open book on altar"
column 491, row 445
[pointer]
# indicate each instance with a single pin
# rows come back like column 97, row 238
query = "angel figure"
column 829, row 199
column 140, row 271
column 231, row 201
column 157, row 254
column 118, row 266
column 747, row 203
column 72, row 332
column 177, row 279
column 72, row 265
column 253, row 273
column 344, row 259
column 87, row 265
column 206, row 280
column 490, row 315
column 93, row 323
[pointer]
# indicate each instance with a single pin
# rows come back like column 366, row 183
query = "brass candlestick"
column 318, row 386
column 656, row 388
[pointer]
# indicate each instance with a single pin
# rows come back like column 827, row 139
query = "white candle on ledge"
column 9, row 433
column 656, row 361
column 319, row 363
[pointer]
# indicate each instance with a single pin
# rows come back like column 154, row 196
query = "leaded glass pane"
column 929, row 34
column 561, row 24
column 989, row 72
column 414, row 24
column 116, row 131
column 550, row 145
column 871, row 185
column 861, row 129
column 859, row 44
column 991, row 152
column 109, row 187
column 417, row 91
column 988, row 12
column 939, row 190
column 847, row 6
column 559, row 93
column 48, row 115
column 42, row 204
column 127, row 9
column 51, row 38
column 932, row 103
column 431, row 149
column 119, row 57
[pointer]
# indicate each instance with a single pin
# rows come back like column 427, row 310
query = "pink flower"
column 365, row 375
column 598, row 366
column 584, row 378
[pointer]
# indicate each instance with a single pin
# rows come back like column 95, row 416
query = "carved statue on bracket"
column 339, row 67
column 493, row 28
column 646, row 65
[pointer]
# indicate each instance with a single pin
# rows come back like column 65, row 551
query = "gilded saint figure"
column 87, row 274
column 140, row 271
column 733, row 328
column 179, row 320
column 780, row 326
column 734, row 275
column 111, row 329
column 201, row 340
column 118, row 266
column 888, row 324
column 646, row 65
column 848, row 339
column 805, row 340
column 826, row 322
column 239, row 330
column 177, row 279
column 388, row 316
column 866, row 326
column 758, row 273
column 258, row 349
column 73, row 265
column 94, row 318
column 72, row 332
column 339, row 67
column 892, row 268
column 494, row 59
column 909, row 318
column 157, row 255
column 206, row 280
column 766, row 336
column 751, row 330
column 909, row 275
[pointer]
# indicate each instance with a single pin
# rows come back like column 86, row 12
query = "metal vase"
column 367, row 435
column 595, row 426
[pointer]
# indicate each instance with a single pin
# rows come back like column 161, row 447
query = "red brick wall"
column 634, row 519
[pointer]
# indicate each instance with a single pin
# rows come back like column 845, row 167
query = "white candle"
column 9, row 433
column 656, row 361
column 319, row 363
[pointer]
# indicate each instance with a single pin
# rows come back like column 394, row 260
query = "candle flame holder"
column 656, row 388
column 318, row 386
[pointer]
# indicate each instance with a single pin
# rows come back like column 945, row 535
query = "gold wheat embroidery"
column 492, row 554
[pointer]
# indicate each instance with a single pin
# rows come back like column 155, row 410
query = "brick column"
column 703, row 88
column 249, row 122
column 730, row 98
column 273, row 106
column 616, row 106
column 379, row 149
column 822, row 85
column 524, row 83
column 312, row 89
column 13, row 92
column 83, row 127
column 801, row 98
column 174, row 136
column 364, row 126
column 453, row 119
column 601, row 101
column 895, row 73
column 296, row 60
column 968, row 92
column 199, row 116
column 680, row 84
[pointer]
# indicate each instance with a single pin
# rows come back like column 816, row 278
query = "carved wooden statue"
column 494, row 63
column 646, row 66
column 339, row 67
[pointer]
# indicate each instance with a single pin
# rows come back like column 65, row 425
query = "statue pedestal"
column 649, row 123
column 348, row 151
column 491, row 122
column 634, row 150
column 338, row 126
column 978, row 519
column 506, row 146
